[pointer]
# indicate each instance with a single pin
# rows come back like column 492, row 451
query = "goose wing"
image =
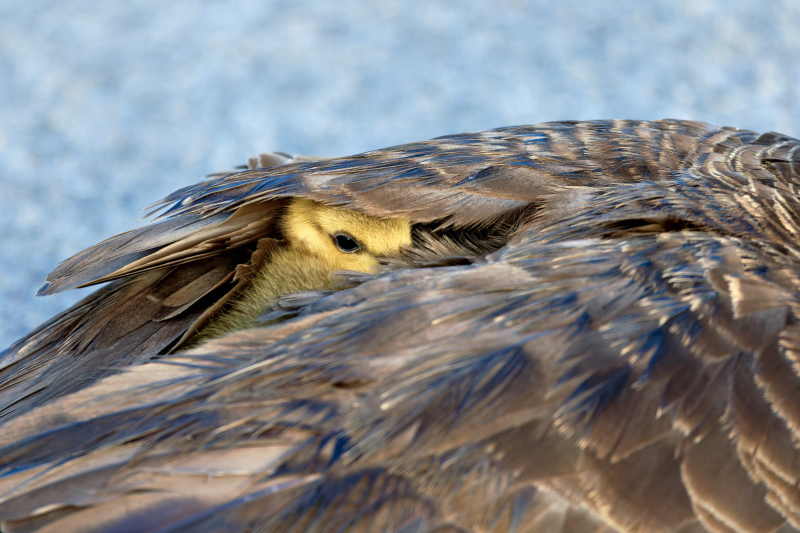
column 168, row 276
column 624, row 369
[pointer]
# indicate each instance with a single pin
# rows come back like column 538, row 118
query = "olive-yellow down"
column 568, row 327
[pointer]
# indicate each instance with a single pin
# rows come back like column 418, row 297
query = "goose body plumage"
column 584, row 327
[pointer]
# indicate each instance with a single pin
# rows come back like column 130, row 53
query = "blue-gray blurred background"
column 106, row 107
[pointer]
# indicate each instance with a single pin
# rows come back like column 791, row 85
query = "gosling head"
column 343, row 239
column 318, row 239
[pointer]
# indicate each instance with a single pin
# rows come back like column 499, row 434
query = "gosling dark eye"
column 346, row 244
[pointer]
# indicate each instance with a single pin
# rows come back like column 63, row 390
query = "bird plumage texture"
column 594, row 328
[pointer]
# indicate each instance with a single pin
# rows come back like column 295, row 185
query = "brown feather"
column 594, row 329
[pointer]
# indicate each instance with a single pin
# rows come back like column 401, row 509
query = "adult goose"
column 567, row 327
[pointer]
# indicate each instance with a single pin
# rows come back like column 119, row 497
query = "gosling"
column 318, row 239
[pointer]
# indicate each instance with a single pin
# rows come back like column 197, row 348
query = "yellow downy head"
column 319, row 239
column 344, row 240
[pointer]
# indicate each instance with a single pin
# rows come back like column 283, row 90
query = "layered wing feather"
column 518, row 395
column 166, row 276
column 630, row 368
column 626, row 361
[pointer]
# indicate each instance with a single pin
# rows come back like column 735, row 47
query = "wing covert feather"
column 627, row 361
column 493, row 398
